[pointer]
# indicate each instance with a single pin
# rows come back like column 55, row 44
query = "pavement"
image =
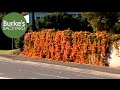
column 51, row 69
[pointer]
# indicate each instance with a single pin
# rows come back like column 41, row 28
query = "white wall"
column 114, row 59
column 40, row 14
column 27, row 18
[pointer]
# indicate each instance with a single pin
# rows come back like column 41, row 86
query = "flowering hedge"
column 81, row 47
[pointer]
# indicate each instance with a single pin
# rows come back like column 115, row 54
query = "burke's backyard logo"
column 14, row 25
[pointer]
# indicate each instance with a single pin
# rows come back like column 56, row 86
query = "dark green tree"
column 101, row 21
column 62, row 21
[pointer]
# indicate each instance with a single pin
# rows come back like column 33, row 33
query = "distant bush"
column 62, row 21
column 103, row 21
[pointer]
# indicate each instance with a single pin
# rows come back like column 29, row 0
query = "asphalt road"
column 18, row 70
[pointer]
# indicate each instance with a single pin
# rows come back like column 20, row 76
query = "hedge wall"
column 81, row 47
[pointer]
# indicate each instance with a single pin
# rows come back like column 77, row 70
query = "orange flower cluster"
column 48, row 44
column 90, row 48
column 81, row 47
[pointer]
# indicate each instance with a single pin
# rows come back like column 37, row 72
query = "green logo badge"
column 14, row 25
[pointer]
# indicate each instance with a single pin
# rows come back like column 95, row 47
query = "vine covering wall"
column 81, row 47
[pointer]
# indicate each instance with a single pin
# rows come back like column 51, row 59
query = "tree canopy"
column 102, row 20
column 62, row 21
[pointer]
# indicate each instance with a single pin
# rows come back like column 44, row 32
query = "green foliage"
column 92, row 38
column 19, row 42
column 114, row 39
column 62, row 21
column 102, row 21
column 116, row 28
column 28, row 26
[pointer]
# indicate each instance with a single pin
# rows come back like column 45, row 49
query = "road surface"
column 22, row 70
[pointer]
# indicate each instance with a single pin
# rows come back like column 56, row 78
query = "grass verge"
column 14, row 51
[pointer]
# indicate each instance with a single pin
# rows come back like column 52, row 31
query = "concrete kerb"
column 93, row 72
